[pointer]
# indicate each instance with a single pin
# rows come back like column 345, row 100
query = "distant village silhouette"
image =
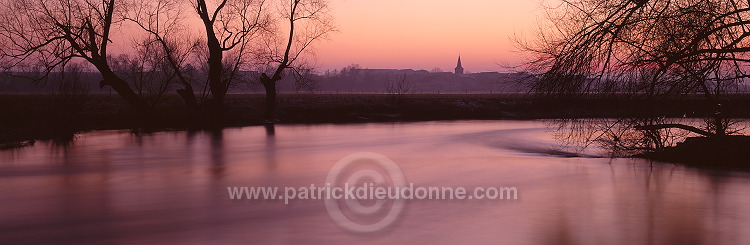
column 352, row 80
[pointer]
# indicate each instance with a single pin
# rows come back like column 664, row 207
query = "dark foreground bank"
column 32, row 117
column 730, row 151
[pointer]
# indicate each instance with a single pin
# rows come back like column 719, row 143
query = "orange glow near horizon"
column 411, row 34
column 425, row 34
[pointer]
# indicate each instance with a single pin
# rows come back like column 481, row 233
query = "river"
column 119, row 187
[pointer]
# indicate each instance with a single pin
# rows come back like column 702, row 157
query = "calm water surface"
column 114, row 187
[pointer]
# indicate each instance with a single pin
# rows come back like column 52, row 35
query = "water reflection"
column 217, row 153
column 270, row 153
column 170, row 187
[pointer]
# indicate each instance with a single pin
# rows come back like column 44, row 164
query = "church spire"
column 459, row 68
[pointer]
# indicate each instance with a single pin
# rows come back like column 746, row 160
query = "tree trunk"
column 215, row 67
column 270, row 85
column 215, row 56
column 188, row 96
column 122, row 88
column 187, row 93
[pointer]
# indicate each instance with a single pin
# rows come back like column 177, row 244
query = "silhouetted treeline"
column 167, row 56
column 153, row 84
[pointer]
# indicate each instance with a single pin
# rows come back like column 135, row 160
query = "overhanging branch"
column 675, row 125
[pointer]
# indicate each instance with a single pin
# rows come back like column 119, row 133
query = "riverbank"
column 729, row 152
column 38, row 117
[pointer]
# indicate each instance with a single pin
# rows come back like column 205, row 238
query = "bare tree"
column 229, row 24
column 70, row 93
column 147, row 70
column 304, row 79
column 307, row 22
column 397, row 85
column 646, row 49
column 167, row 43
column 49, row 34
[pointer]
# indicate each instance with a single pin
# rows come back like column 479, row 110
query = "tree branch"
column 675, row 125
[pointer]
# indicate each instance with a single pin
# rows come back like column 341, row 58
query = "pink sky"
column 424, row 34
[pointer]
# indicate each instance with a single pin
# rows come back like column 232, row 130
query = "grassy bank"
column 26, row 117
